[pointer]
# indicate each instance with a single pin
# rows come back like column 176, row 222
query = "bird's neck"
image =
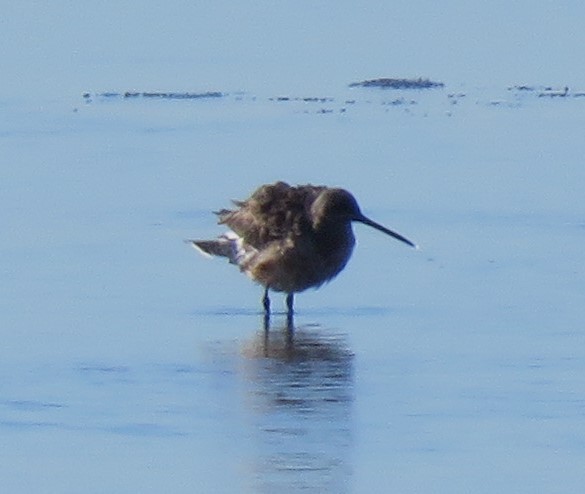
column 335, row 237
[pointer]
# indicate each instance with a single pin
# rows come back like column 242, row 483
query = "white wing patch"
column 228, row 245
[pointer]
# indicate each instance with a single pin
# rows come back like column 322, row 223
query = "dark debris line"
column 386, row 83
column 379, row 83
column 548, row 91
column 156, row 95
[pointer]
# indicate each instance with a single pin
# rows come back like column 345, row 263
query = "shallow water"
column 131, row 364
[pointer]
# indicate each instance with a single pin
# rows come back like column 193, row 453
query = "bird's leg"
column 266, row 302
column 290, row 325
column 289, row 303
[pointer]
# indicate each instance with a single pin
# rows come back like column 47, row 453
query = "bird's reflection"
column 299, row 394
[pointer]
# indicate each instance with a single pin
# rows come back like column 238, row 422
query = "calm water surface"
column 130, row 364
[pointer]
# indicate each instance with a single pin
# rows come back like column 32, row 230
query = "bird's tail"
column 224, row 246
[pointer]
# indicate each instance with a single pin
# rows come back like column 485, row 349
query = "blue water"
column 131, row 364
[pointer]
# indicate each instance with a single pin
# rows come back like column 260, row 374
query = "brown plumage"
column 288, row 238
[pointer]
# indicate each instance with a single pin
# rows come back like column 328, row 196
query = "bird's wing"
column 274, row 212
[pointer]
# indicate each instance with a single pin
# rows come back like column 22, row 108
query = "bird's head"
column 338, row 207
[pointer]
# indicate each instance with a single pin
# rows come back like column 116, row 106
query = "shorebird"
column 290, row 238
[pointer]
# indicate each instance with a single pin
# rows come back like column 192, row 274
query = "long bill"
column 383, row 229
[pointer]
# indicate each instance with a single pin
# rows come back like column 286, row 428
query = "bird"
column 290, row 238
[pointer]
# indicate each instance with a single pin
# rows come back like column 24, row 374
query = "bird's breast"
column 302, row 262
column 334, row 247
